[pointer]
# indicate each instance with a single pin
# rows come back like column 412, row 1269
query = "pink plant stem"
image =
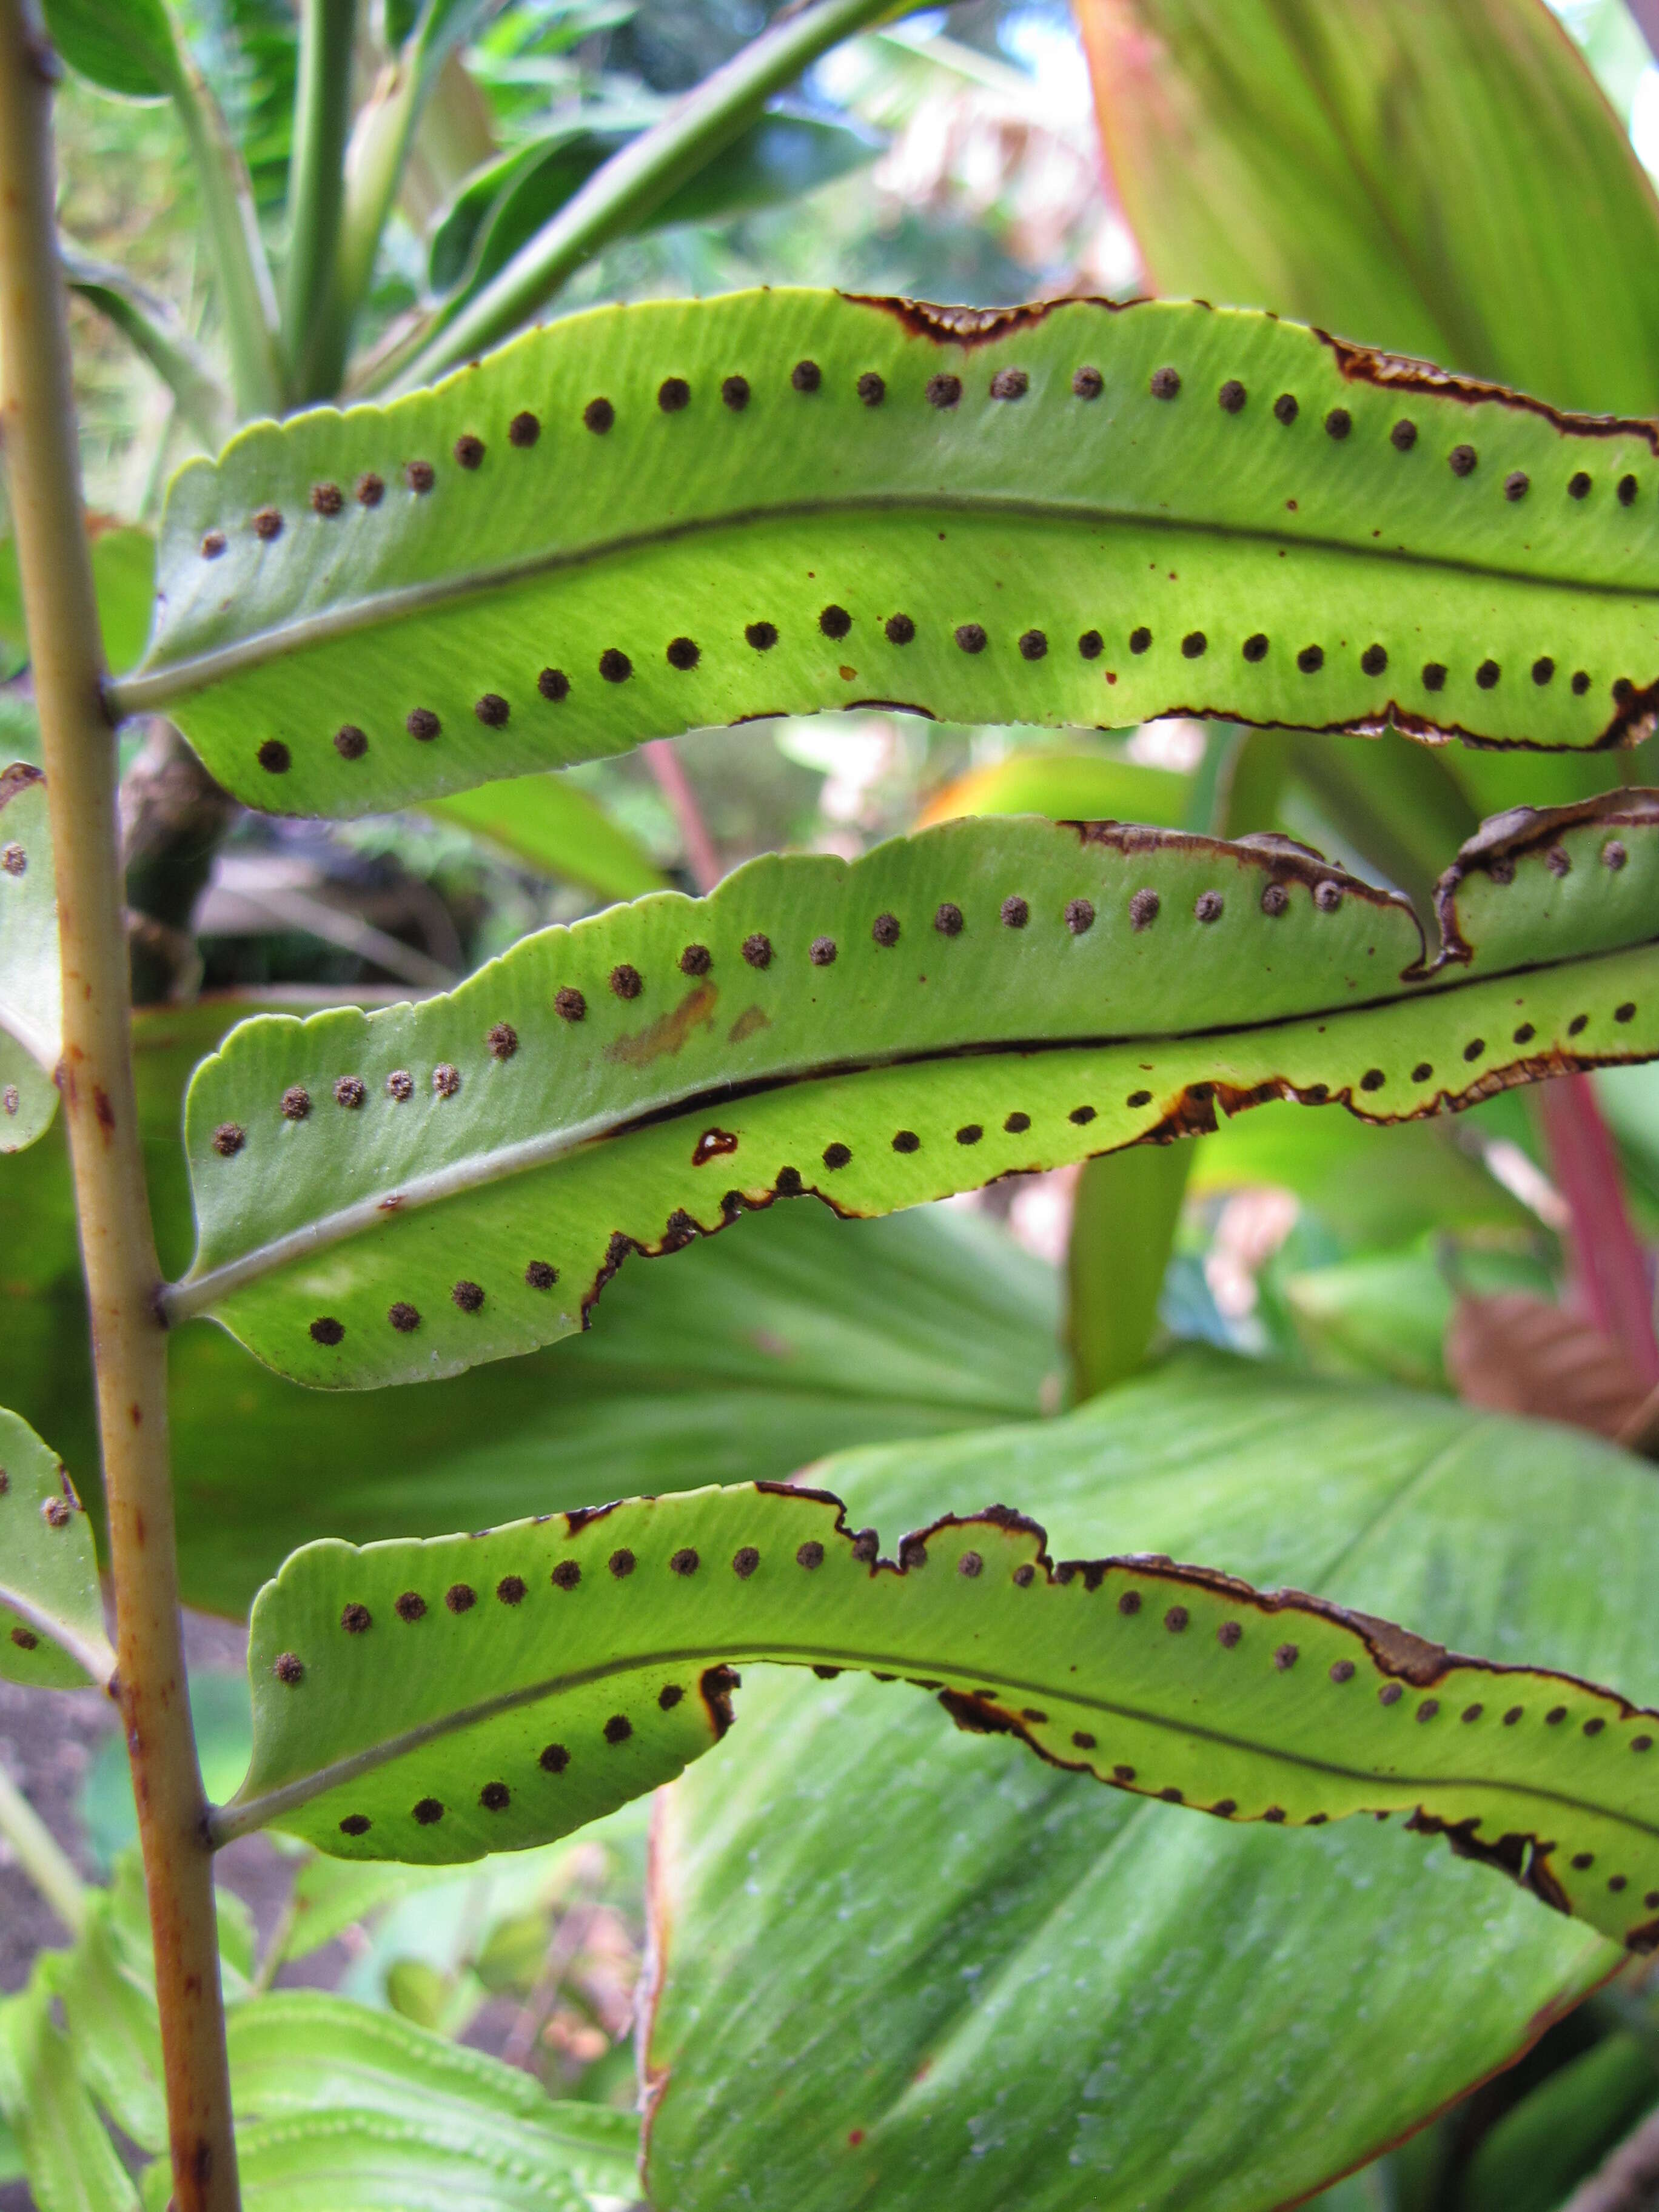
column 1610, row 1271
column 672, row 779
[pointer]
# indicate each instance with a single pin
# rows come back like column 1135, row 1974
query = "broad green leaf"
column 52, row 1615
column 1070, row 787
column 784, row 154
column 794, row 1335
column 395, row 1196
column 31, row 992
column 125, row 46
column 999, row 1985
column 1529, row 2160
column 578, row 1686
column 1435, row 179
column 357, row 611
column 301, row 2061
column 559, row 829
column 70, row 2160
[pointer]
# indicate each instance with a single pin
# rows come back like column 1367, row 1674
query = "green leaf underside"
column 52, row 1616
column 760, row 1350
column 458, row 1740
column 31, row 1004
column 408, row 1237
column 1049, row 516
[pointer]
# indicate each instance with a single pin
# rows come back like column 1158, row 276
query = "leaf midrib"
column 196, row 1293
column 147, row 689
column 242, row 1815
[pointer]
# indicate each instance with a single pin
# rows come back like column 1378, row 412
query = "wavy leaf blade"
column 758, row 1352
column 395, row 1196
column 402, row 576
column 51, row 1614
column 1154, row 1984
column 595, row 1670
column 338, row 2101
